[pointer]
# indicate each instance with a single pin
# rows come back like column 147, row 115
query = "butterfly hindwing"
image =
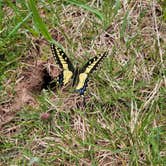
column 88, row 68
column 81, row 87
column 64, row 63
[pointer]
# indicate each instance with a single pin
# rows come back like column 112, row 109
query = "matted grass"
column 123, row 122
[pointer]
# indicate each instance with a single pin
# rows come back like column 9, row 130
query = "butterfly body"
column 69, row 72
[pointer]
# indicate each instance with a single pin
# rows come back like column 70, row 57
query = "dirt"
column 31, row 82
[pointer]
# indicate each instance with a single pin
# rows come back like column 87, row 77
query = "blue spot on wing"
column 82, row 90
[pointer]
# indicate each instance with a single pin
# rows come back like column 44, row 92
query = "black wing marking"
column 64, row 63
column 88, row 68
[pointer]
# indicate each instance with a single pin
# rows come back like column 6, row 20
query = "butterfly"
column 69, row 72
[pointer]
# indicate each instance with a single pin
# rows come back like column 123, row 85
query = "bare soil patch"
column 31, row 81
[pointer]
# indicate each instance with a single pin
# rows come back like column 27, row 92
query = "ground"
column 123, row 120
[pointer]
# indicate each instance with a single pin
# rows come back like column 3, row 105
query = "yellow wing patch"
column 82, row 78
column 91, row 65
column 67, row 74
column 89, row 68
column 64, row 64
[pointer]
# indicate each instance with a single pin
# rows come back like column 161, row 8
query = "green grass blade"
column 124, row 25
column 1, row 16
column 19, row 25
column 86, row 7
column 117, row 7
column 39, row 24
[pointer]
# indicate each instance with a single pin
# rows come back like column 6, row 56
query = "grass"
column 124, row 120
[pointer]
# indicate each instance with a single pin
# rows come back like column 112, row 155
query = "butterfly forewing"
column 64, row 63
column 89, row 67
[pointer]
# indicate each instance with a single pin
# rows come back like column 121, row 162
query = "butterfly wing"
column 64, row 63
column 89, row 67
